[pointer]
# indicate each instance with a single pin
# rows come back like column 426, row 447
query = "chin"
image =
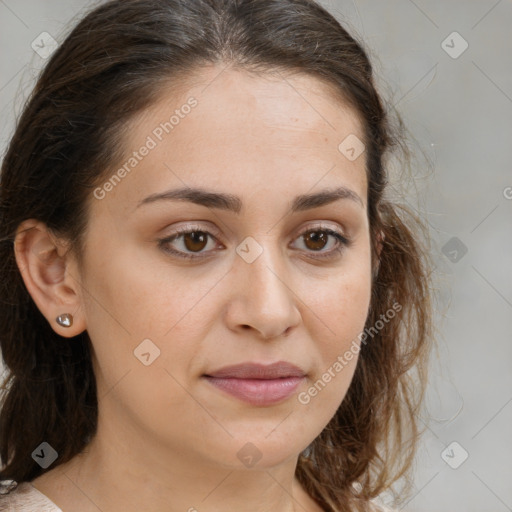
column 250, row 451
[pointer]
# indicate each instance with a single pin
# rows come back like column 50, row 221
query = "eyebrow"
column 230, row 202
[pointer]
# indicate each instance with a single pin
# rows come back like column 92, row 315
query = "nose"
column 262, row 297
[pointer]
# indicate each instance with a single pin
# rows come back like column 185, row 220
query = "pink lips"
column 258, row 384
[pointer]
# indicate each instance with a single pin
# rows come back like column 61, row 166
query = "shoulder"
column 24, row 497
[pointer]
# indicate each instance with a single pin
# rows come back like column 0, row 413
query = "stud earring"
column 66, row 320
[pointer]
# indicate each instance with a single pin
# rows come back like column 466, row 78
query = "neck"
column 118, row 474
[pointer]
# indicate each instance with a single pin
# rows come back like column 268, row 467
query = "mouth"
column 258, row 384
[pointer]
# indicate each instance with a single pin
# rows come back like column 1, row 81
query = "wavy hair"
column 113, row 64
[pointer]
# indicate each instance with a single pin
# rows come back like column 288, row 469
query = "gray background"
column 459, row 113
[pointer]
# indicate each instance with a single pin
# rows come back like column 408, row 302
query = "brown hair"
column 111, row 66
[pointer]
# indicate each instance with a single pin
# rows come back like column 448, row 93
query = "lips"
column 278, row 370
column 258, row 384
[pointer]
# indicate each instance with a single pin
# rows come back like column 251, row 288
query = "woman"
column 208, row 302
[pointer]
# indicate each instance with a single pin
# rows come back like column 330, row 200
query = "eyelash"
column 342, row 240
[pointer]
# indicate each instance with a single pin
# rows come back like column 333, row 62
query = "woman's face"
column 258, row 279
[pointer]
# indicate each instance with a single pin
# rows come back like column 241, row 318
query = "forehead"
column 277, row 99
column 244, row 133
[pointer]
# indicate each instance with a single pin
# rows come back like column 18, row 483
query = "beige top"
column 26, row 498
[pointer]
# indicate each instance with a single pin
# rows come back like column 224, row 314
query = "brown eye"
column 189, row 243
column 315, row 240
column 193, row 243
column 325, row 242
column 195, row 240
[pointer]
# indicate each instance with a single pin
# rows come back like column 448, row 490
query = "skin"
column 168, row 440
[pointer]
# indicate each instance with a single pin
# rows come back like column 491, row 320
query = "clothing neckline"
column 42, row 496
column 30, row 489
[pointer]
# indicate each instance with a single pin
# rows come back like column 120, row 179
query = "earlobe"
column 48, row 275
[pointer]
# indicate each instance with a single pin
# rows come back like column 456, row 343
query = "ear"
column 50, row 275
column 378, row 246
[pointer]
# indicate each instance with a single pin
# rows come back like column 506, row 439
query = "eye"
column 192, row 242
column 316, row 239
column 190, row 239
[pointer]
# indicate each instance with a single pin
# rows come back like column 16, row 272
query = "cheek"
column 347, row 310
column 128, row 304
column 132, row 295
column 130, row 299
column 341, row 302
column 341, row 308
column 345, row 314
column 337, row 355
